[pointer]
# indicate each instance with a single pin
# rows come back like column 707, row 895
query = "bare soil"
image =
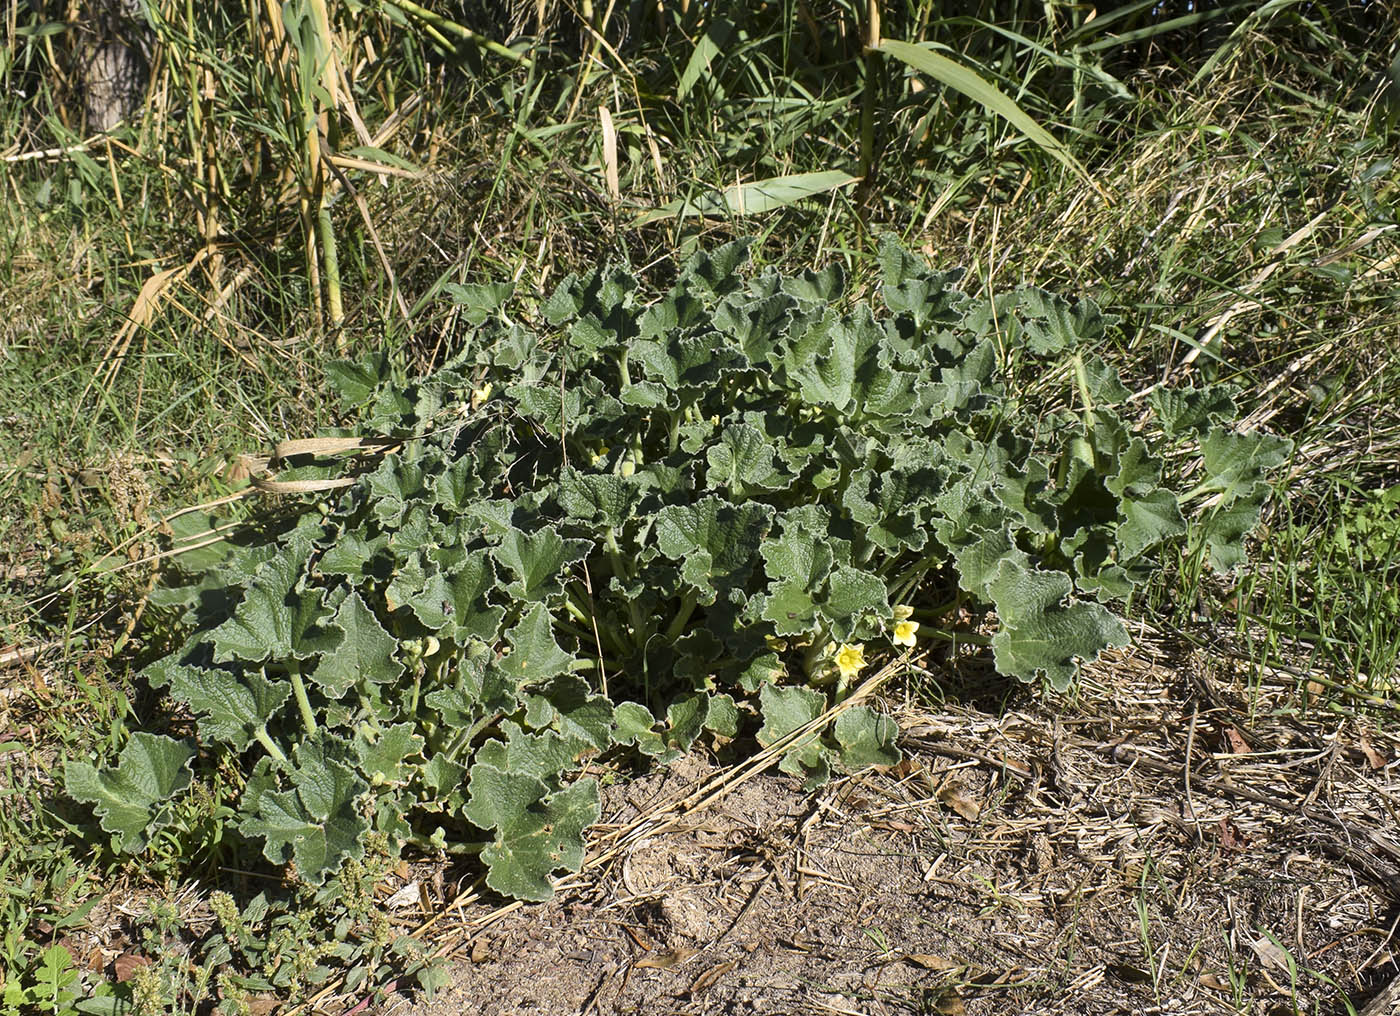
column 1151, row 849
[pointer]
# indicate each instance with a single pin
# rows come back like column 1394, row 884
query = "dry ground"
column 1171, row 841
column 1152, row 849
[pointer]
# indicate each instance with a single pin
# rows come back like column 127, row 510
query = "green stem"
column 677, row 626
column 466, row 736
column 260, row 735
column 308, row 718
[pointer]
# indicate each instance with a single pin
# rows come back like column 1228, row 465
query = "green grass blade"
column 711, row 44
column 977, row 88
column 752, row 198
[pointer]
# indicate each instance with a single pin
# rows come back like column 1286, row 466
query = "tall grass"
column 306, row 178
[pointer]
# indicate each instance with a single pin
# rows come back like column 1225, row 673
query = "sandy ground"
column 1152, row 849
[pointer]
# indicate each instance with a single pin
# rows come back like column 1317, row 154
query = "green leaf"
column 567, row 703
column 354, row 556
column 537, row 832
column 537, row 561
column 535, row 656
column 741, row 463
column 636, row 725
column 718, row 31
column 1053, row 325
column 1043, row 633
column 606, row 498
column 365, row 652
column 799, row 564
column 479, row 301
column 866, row 738
column 855, row 594
column 382, row 759
column 318, row 824
column 544, row 754
column 958, row 77
column 826, row 358
column 1147, row 520
column 1191, row 410
column 232, row 710
column 717, row 271
column 275, row 621
column 754, row 198
column 472, row 615
column 716, row 541
column 355, row 381
column 785, row 710
column 887, row 505
column 1236, row 464
column 910, row 287
column 135, row 800
column 1224, row 528
column 1105, row 386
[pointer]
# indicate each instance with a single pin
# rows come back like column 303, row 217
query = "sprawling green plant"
column 639, row 520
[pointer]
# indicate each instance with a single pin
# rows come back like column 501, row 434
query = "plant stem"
column 261, row 736
column 677, row 626
column 308, row 718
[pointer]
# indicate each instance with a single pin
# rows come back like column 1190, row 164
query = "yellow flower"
column 596, row 457
column 904, row 632
column 849, row 660
column 480, row 395
column 903, row 612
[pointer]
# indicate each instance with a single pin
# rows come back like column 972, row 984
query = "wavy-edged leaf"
column 382, row 759
column 137, row 798
column 537, row 833
column 1147, row 520
column 866, row 738
column 318, row 824
column 366, row 651
column 785, row 710
column 232, row 710
column 715, row 540
column 537, row 560
column 1237, row 463
column 1043, row 630
column 535, row 656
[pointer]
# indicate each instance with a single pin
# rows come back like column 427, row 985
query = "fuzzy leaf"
column 1147, row 520
column 318, row 823
column 472, row 615
column 231, row 709
column 604, row 498
column 136, row 799
column 543, row 754
column 275, row 621
column 366, row 651
column 785, row 710
column 565, row 702
column 716, row 541
column 537, row 832
column 799, row 565
column 1183, row 411
column 741, row 464
column 1238, row 463
column 538, row 561
column 383, row 759
column 1040, row 632
column 866, row 738
column 535, row 655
